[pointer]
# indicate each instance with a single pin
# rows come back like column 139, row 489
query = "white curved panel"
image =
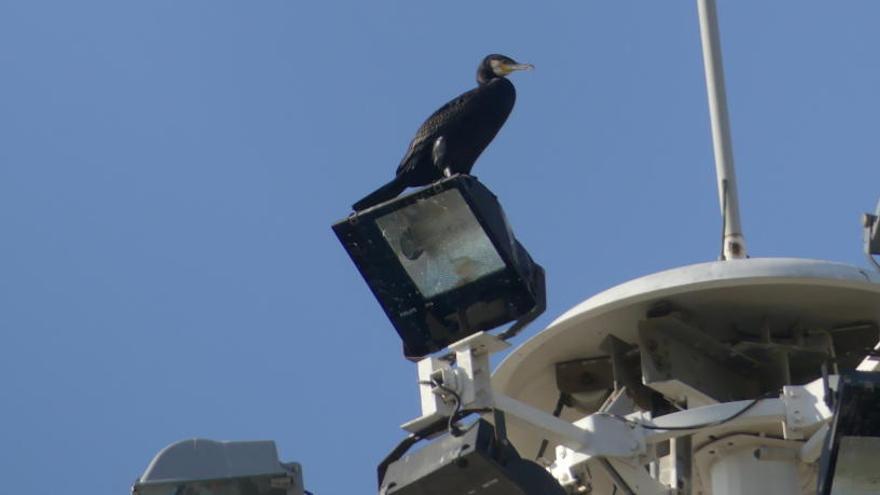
column 746, row 293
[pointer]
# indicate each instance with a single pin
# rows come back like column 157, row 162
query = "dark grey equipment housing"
column 852, row 445
column 475, row 462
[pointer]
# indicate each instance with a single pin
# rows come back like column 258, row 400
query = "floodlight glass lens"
column 440, row 243
column 856, row 467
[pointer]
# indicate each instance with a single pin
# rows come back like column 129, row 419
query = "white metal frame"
column 624, row 444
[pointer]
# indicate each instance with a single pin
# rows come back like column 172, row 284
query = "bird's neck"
column 485, row 75
column 496, row 82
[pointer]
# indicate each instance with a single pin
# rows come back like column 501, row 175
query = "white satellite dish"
column 781, row 294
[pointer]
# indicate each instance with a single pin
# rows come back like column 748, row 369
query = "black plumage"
column 454, row 136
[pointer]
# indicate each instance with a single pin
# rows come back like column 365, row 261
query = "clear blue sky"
column 169, row 171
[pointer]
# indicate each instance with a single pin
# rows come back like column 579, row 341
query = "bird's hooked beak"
column 503, row 69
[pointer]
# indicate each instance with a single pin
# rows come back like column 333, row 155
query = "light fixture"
column 475, row 462
column 443, row 263
column 206, row 467
column 852, row 446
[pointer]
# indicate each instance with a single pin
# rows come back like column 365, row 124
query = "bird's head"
column 494, row 66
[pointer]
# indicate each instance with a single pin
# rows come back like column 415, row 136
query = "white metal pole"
column 734, row 246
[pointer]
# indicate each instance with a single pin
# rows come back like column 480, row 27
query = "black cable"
column 709, row 424
column 451, row 426
column 560, row 404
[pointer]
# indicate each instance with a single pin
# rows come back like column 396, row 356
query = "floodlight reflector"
column 440, row 244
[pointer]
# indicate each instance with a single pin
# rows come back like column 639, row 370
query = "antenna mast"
column 734, row 243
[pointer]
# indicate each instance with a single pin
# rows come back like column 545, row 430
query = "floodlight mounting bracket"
column 469, row 377
column 608, row 439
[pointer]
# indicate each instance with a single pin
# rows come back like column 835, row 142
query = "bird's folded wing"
column 449, row 115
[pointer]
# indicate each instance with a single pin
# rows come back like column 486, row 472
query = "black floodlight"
column 474, row 462
column 443, row 263
column 206, row 467
column 852, row 447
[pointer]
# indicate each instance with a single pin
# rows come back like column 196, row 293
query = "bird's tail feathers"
column 384, row 193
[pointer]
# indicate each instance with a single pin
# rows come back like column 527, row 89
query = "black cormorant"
column 452, row 138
